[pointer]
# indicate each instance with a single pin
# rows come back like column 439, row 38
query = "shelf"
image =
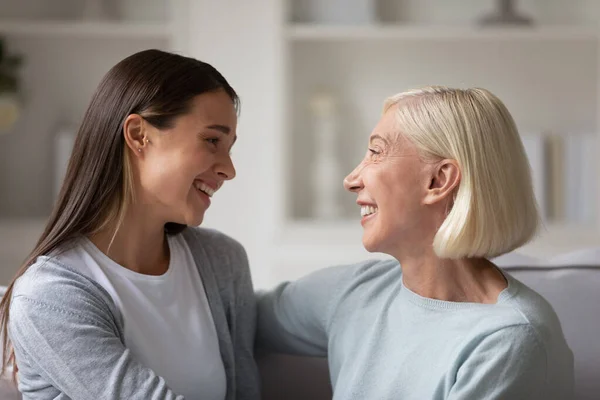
column 311, row 32
column 119, row 29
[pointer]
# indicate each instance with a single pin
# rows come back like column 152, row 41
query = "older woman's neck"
column 463, row 280
column 139, row 244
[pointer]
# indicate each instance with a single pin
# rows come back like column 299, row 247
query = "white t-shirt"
column 168, row 323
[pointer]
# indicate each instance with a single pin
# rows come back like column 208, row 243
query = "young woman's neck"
column 475, row 280
column 140, row 243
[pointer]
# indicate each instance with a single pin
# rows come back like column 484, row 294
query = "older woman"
column 444, row 187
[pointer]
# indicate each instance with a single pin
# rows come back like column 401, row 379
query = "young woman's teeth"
column 204, row 188
column 367, row 210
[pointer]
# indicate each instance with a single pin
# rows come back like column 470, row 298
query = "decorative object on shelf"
column 9, row 88
column 536, row 154
column 326, row 170
column 555, row 165
column 506, row 14
column 350, row 12
column 64, row 139
column 581, row 182
column 95, row 10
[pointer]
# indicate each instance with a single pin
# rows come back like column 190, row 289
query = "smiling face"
column 391, row 185
column 180, row 168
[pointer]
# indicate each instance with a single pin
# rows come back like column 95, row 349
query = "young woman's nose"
column 225, row 168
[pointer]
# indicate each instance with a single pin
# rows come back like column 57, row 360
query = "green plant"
column 9, row 67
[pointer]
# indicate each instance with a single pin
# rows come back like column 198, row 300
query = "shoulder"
column 215, row 243
column 350, row 277
column 49, row 279
column 366, row 280
column 541, row 319
column 521, row 331
column 520, row 338
column 218, row 253
column 342, row 287
column 520, row 318
column 511, row 359
column 533, row 310
column 52, row 283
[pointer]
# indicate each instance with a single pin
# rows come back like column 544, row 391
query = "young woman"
column 444, row 187
column 122, row 298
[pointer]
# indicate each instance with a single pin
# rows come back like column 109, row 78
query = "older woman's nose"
column 353, row 182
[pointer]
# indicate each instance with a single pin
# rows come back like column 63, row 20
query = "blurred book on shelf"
column 555, row 178
column 581, row 178
column 535, row 149
column 569, row 173
column 563, row 169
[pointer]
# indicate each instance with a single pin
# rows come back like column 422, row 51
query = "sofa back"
column 571, row 284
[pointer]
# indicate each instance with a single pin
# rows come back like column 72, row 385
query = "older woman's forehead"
column 387, row 133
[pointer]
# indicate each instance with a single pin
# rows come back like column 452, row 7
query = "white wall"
column 551, row 85
column 242, row 40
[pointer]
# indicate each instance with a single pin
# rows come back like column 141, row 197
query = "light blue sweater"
column 384, row 341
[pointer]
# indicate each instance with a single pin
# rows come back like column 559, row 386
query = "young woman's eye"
column 214, row 141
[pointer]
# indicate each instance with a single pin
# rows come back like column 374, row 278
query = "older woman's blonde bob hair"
column 494, row 209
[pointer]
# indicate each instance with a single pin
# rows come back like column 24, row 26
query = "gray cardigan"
column 68, row 335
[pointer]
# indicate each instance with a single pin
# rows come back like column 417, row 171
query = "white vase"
column 9, row 111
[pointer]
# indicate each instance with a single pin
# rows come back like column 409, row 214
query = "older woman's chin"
column 370, row 245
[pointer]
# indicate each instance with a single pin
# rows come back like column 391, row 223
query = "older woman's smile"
column 367, row 210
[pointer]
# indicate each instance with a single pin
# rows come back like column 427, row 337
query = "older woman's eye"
column 374, row 151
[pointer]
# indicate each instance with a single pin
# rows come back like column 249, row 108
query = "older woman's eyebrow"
column 377, row 137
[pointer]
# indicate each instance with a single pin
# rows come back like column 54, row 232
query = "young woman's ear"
column 134, row 133
column 444, row 179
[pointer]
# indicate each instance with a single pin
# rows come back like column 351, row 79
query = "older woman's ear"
column 443, row 181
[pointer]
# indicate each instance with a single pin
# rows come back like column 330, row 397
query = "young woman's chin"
column 190, row 215
column 195, row 218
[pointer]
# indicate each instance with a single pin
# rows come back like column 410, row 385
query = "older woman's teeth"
column 204, row 188
column 367, row 210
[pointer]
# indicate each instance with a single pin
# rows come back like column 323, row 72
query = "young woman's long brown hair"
column 98, row 185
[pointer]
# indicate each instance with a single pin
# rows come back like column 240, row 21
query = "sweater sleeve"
column 68, row 345
column 244, row 302
column 510, row 363
column 295, row 317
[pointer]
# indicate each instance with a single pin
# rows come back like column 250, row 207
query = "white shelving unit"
column 547, row 74
column 312, row 32
column 89, row 29
column 65, row 56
